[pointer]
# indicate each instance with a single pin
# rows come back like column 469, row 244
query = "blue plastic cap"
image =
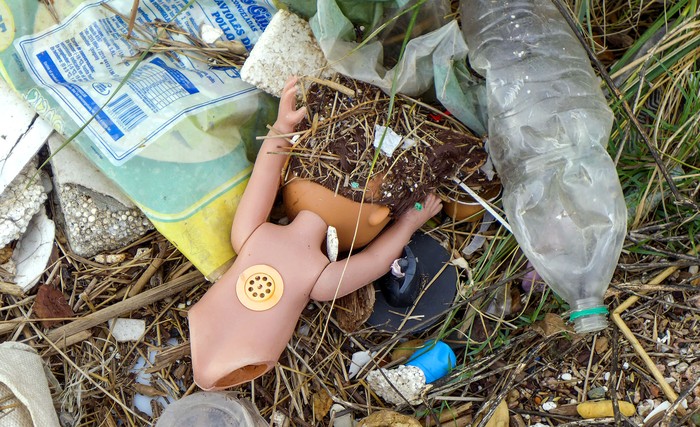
column 435, row 359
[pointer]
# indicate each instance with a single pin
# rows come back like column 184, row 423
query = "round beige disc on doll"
column 259, row 287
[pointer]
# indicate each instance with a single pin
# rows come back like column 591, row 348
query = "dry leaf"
column 51, row 303
column 601, row 345
column 148, row 390
column 500, row 417
column 322, row 404
column 389, row 419
column 552, row 324
column 5, row 254
column 568, row 410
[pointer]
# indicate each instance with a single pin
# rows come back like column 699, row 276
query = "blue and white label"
column 82, row 61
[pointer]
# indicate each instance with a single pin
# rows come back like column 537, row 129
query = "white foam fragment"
column 125, row 330
column 404, row 384
column 286, row 48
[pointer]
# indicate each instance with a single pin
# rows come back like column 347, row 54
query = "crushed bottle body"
column 549, row 124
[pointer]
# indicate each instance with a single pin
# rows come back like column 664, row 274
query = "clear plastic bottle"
column 549, row 124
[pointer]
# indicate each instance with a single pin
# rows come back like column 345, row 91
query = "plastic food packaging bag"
column 24, row 389
column 435, row 59
column 178, row 137
column 549, row 124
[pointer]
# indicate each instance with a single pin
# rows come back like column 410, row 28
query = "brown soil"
column 336, row 149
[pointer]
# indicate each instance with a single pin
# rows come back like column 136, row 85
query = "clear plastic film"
column 433, row 60
column 549, row 124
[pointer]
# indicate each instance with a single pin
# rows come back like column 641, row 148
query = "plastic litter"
column 548, row 126
column 435, row 359
column 413, row 302
column 178, row 138
column 207, row 409
column 433, row 62
column 406, row 382
column 23, row 385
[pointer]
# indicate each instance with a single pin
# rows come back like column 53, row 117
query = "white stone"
column 645, row 407
column 566, row 376
column 286, row 48
column 359, row 359
column 345, row 420
column 407, row 380
column 278, row 419
column 681, row 367
column 548, row 406
column 125, row 330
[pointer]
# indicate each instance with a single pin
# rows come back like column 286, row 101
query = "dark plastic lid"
column 429, row 299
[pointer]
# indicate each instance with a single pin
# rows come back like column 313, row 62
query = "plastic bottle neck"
column 589, row 315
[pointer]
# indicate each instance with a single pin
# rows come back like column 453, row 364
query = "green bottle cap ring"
column 601, row 309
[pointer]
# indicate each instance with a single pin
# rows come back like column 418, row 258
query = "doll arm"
column 374, row 260
column 259, row 195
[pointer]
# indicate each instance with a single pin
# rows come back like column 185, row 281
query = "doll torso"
column 249, row 342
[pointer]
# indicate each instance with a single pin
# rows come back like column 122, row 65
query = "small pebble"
column 696, row 419
column 566, row 376
column 645, row 407
column 681, row 367
column 597, row 393
column 125, row 330
column 548, row 406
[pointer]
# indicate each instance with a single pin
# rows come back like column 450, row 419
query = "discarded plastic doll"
column 240, row 327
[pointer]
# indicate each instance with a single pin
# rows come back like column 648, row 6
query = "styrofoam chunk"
column 286, row 48
column 125, row 330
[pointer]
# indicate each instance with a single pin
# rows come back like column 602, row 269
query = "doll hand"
column 422, row 212
column 288, row 116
